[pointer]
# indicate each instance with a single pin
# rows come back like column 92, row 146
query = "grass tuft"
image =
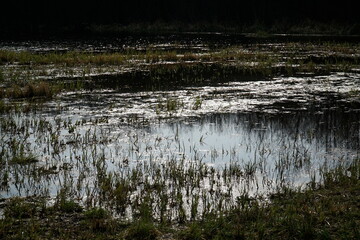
column 23, row 159
column 19, row 208
column 142, row 230
column 31, row 90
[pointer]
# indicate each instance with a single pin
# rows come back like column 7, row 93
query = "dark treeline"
column 35, row 16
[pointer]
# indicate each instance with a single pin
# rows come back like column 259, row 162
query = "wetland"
column 176, row 136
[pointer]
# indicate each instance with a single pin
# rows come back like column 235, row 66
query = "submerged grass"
column 23, row 159
column 328, row 211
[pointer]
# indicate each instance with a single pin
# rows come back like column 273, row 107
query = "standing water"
column 201, row 146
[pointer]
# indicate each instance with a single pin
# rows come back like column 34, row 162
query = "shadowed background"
column 21, row 17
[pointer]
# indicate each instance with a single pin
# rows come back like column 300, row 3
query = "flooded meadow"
column 186, row 125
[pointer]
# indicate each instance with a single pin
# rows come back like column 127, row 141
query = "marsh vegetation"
column 201, row 137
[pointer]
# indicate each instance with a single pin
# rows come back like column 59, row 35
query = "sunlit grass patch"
column 158, row 68
column 30, row 90
column 69, row 58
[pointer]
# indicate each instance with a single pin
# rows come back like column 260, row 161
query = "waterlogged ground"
column 186, row 149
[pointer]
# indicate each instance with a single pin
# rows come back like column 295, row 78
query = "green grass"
column 98, row 220
column 233, row 53
column 4, row 107
column 142, row 230
column 328, row 211
column 20, row 208
column 34, row 75
column 69, row 58
column 24, row 159
column 30, row 90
